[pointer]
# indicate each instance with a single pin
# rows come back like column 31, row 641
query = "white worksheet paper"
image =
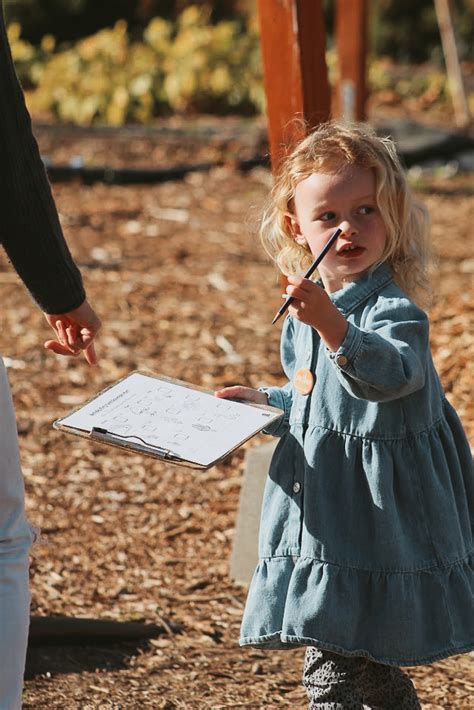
column 192, row 425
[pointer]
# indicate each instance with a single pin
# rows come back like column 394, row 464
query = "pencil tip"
column 275, row 319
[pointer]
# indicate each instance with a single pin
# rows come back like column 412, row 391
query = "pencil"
column 310, row 271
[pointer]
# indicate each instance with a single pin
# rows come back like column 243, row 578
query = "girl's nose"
column 348, row 228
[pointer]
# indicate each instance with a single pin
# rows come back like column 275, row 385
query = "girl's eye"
column 327, row 216
column 365, row 209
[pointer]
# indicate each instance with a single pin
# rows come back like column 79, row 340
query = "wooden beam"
column 293, row 43
column 351, row 46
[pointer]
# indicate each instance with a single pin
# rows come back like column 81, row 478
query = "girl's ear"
column 294, row 229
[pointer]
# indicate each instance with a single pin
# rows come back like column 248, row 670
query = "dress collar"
column 347, row 299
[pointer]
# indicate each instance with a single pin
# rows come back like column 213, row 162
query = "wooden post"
column 453, row 68
column 296, row 85
column 296, row 82
column 351, row 45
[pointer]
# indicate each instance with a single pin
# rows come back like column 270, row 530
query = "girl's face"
column 346, row 199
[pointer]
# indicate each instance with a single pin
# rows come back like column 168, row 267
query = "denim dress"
column 366, row 535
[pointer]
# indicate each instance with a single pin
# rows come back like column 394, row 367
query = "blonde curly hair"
column 327, row 148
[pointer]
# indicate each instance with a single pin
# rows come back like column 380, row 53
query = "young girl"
column 366, row 546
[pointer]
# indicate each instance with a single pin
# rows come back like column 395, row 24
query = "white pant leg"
column 16, row 537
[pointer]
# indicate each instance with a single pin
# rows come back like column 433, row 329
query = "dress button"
column 341, row 360
column 296, row 487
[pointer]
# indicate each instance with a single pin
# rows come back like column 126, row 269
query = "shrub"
column 106, row 78
column 212, row 67
column 190, row 65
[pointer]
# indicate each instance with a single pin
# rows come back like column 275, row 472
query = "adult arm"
column 29, row 225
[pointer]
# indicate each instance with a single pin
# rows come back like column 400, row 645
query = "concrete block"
column 245, row 548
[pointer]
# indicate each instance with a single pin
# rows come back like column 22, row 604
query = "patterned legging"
column 335, row 682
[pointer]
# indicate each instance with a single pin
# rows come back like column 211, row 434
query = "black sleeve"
column 29, row 225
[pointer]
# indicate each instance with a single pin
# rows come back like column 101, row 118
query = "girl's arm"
column 274, row 396
column 387, row 359
column 248, row 394
column 313, row 306
column 384, row 361
column 280, row 397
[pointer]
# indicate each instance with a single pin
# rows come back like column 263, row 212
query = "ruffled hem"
column 402, row 619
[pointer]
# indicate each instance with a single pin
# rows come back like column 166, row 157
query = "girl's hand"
column 313, row 306
column 240, row 392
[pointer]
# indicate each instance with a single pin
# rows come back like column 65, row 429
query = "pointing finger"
column 90, row 354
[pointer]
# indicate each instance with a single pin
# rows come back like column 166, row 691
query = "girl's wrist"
column 332, row 328
column 334, row 337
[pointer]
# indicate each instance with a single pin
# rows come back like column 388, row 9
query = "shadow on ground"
column 69, row 645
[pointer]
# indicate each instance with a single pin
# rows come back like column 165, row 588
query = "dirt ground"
column 185, row 290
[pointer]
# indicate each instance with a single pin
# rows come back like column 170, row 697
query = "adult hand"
column 75, row 332
column 239, row 392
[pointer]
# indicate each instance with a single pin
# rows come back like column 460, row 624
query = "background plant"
column 204, row 58
column 190, row 65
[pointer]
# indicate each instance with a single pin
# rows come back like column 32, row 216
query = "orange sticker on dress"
column 304, row 381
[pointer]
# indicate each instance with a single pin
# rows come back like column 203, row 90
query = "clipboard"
column 167, row 419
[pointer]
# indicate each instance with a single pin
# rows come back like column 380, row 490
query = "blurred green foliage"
column 190, row 65
column 200, row 57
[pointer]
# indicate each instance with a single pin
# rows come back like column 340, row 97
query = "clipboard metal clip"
column 109, row 437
